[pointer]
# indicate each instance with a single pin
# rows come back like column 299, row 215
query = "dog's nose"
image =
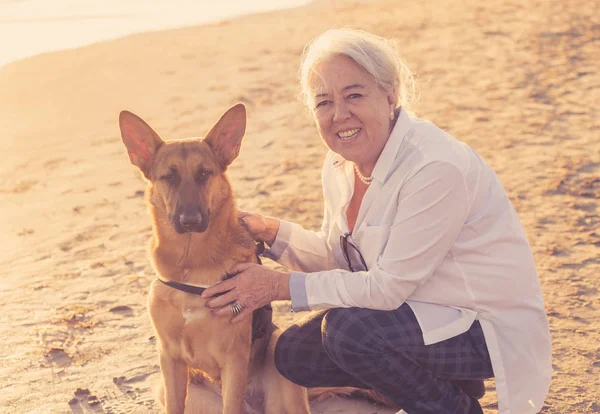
column 190, row 220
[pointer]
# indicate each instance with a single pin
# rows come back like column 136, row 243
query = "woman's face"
column 351, row 110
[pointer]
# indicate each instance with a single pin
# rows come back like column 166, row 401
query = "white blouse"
column 437, row 230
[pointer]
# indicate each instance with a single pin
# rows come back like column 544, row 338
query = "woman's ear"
column 391, row 96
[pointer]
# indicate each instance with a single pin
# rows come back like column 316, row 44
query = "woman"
column 422, row 273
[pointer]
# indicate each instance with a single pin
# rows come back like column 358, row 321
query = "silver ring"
column 236, row 308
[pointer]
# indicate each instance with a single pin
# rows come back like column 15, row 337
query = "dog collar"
column 193, row 289
column 198, row 290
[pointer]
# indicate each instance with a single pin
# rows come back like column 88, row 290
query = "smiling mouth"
column 346, row 135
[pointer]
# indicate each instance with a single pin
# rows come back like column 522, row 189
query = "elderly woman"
column 422, row 275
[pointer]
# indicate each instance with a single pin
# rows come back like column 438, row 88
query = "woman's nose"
column 341, row 112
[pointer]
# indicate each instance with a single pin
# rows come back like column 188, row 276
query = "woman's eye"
column 321, row 104
column 354, row 96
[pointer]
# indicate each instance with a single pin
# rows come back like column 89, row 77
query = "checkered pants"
column 384, row 351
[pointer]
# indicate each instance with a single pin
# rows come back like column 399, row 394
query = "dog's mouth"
column 189, row 223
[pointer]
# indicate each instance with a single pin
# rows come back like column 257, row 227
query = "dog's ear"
column 140, row 139
column 225, row 137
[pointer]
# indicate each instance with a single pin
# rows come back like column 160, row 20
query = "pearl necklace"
column 366, row 180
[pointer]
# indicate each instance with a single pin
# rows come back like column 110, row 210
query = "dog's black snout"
column 190, row 220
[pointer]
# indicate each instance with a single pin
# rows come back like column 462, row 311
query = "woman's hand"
column 253, row 287
column 262, row 229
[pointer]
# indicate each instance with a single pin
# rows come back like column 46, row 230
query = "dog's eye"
column 202, row 175
column 169, row 177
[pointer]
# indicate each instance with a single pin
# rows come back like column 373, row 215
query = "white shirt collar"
column 390, row 150
column 392, row 146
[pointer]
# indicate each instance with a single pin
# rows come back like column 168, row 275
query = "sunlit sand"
column 517, row 81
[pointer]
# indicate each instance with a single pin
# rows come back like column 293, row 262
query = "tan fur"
column 195, row 346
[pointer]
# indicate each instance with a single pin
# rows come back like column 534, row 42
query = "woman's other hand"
column 252, row 287
column 262, row 229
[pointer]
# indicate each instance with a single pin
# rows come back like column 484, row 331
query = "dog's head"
column 186, row 176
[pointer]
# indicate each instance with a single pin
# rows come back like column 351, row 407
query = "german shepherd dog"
column 197, row 239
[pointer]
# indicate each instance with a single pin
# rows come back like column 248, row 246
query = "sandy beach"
column 516, row 80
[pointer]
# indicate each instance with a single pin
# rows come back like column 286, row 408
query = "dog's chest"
column 184, row 313
column 192, row 308
column 188, row 329
column 199, row 329
column 192, row 315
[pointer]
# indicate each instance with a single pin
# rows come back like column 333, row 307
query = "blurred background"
column 30, row 27
column 517, row 80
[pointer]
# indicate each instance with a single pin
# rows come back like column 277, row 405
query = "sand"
column 518, row 81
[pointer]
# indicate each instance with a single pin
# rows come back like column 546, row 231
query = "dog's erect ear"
column 225, row 137
column 140, row 139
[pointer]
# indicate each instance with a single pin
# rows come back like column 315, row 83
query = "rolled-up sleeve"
column 282, row 240
column 432, row 208
column 298, row 291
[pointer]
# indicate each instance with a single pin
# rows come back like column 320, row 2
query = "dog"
column 207, row 363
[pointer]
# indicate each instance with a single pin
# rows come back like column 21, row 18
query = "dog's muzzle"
column 189, row 223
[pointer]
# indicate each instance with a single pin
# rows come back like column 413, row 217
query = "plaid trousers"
column 384, row 351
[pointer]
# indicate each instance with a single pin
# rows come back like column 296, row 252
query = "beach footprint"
column 85, row 402
column 133, row 392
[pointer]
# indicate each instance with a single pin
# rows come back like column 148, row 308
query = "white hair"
column 378, row 56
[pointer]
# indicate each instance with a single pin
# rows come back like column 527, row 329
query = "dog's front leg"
column 235, row 380
column 175, row 377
